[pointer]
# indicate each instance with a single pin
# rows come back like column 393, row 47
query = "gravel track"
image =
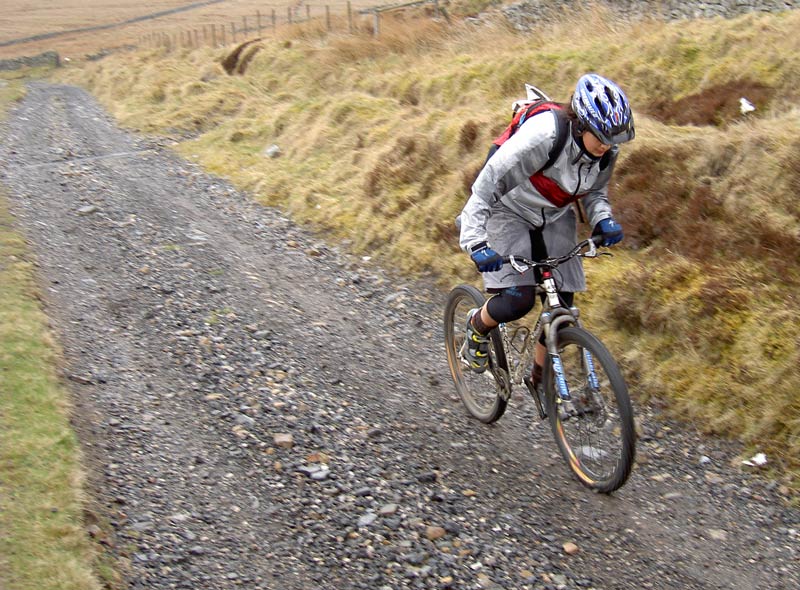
column 259, row 409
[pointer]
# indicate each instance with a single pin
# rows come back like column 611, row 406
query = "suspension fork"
column 594, row 383
column 591, row 375
column 553, row 320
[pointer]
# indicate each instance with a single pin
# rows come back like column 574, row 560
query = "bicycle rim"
column 481, row 393
column 594, row 429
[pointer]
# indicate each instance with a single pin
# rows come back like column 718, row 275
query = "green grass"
column 43, row 542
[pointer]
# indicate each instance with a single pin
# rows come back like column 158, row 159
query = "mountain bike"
column 583, row 391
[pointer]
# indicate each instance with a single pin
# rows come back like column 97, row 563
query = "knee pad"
column 512, row 303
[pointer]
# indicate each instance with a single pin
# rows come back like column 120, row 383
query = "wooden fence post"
column 289, row 14
column 328, row 18
column 244, row 24
column 376, row 27
column 258, row 22
column 213, row 35
column 349, row 18
column 233, row 33
column 222, row 30
column 274, row 21
column 308, row 12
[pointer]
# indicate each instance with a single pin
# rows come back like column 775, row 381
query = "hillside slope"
column 380, row 140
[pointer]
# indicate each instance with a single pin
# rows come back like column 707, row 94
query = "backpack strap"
column 523, row 114
column 562, row 130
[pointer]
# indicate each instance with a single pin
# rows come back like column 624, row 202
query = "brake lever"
column 519, row 267
column 592, row 253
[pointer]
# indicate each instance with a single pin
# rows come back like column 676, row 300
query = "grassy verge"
column 43, row 543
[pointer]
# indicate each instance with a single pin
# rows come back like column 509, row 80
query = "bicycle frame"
column 550, row 319
column 553, row 316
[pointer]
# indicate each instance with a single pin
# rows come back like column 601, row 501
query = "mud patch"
column 238, row 60
column 717, row 106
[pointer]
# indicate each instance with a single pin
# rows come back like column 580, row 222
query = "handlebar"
column 522, row 264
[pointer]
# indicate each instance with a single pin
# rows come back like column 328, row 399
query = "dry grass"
column 381, row 138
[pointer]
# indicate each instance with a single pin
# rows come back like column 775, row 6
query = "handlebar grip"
column 598, row 240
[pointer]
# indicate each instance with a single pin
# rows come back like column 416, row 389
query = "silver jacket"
column 505, row 181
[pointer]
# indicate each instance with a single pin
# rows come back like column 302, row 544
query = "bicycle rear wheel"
column 594, row 429
column 484, row 394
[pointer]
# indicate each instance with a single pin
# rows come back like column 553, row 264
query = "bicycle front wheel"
column 594, row 427
column 484, row 394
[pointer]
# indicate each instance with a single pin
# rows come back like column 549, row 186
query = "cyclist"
column 517, row 207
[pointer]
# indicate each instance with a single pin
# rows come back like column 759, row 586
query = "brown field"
column 26, row 18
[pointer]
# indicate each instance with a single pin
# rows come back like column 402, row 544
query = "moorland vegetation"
column 380, row 140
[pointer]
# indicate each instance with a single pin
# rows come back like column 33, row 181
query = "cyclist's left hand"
column 610, row 230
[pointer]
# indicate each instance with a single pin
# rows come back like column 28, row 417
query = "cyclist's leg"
column 508, row 234
column 511, row 303
column 507, row 305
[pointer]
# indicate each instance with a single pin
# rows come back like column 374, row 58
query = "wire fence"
column 337, row 18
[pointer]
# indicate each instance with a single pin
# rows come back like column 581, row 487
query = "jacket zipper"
column 578, row 187
column 580, row 169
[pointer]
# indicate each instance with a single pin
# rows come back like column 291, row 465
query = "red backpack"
column 527, row 110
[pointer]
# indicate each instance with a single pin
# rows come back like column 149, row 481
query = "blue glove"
column 486, row 259
column 610, row 230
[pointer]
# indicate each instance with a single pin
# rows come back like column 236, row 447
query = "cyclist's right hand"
column 486, row 259
column 610, row 230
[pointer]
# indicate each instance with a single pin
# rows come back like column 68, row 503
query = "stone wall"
column 48, row 58
column 528, row 12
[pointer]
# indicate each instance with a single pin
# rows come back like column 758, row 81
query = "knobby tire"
column 595, row 431
column 480, row 393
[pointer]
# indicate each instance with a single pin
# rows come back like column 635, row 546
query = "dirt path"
column 197, row 326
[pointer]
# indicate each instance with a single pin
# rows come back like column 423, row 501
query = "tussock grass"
column 382, row 138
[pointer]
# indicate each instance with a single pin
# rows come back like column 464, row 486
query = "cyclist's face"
column 593, row 145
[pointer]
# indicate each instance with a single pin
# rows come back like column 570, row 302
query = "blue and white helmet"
column 603, row 108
